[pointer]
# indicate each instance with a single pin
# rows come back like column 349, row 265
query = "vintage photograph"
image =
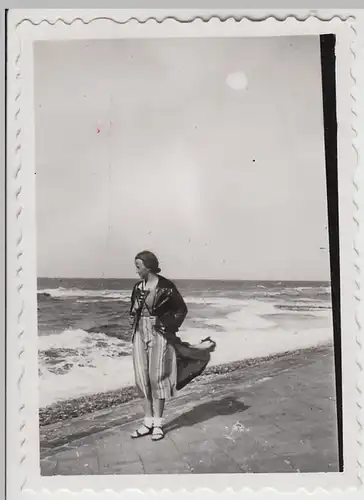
column 185, row 312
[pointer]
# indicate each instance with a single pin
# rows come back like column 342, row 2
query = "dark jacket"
column 169, row 308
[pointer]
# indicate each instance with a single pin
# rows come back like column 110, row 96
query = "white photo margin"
column 26, row 27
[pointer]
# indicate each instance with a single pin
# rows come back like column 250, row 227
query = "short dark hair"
column 150, row 260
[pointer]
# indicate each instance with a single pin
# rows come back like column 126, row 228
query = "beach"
column 276, row 414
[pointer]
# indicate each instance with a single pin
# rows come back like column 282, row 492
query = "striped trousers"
column 154, row 360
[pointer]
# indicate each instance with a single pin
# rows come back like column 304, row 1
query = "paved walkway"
column 279, row 416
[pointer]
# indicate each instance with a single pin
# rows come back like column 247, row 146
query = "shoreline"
column 84, row 405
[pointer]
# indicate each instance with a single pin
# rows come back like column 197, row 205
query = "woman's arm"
column 180, row 307
column 135, row 305
column 132, row 301
column 177, row 311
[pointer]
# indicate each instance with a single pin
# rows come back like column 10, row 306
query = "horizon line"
column 192, row 279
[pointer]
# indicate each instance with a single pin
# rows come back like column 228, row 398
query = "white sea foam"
column 214, row 301
column 75, row 362
column 316, row 289
column 247, row 333
column 123, row 295
column 240, row 344
column 107, row 374
column 243, row 319
column 259, row 293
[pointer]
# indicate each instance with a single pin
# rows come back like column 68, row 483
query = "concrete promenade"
column 278, row 416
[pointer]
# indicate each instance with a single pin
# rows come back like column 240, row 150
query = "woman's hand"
column 157, row 324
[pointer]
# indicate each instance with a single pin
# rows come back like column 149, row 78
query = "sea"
column 85, row 339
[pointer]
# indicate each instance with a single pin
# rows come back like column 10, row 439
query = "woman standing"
column 162, row 362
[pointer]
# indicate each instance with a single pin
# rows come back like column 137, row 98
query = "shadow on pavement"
column 206, row 411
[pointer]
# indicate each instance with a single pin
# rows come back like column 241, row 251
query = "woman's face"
column 141, row 269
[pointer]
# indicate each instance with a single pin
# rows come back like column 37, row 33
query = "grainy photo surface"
column 184, row 288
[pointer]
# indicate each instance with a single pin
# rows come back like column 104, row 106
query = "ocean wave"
column 85, row 295
column 319, row 293
column 99, row 300
column 76, row 358
column 76, row 363
column 80, row 339
column 322, row 289
column 111, row 329
column 213, row 301
column 261, row 315
column 243, row 319
column 304, row 307
column 261, row 305
column 295, row 292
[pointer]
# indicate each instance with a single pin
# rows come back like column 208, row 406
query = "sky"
column 208, row 152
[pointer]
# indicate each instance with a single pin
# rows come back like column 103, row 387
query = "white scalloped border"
column 228, row 19
column 19, row 256
column 292, row 20
column 358, row 182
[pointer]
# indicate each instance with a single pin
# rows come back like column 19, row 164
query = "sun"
column 237, row 80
